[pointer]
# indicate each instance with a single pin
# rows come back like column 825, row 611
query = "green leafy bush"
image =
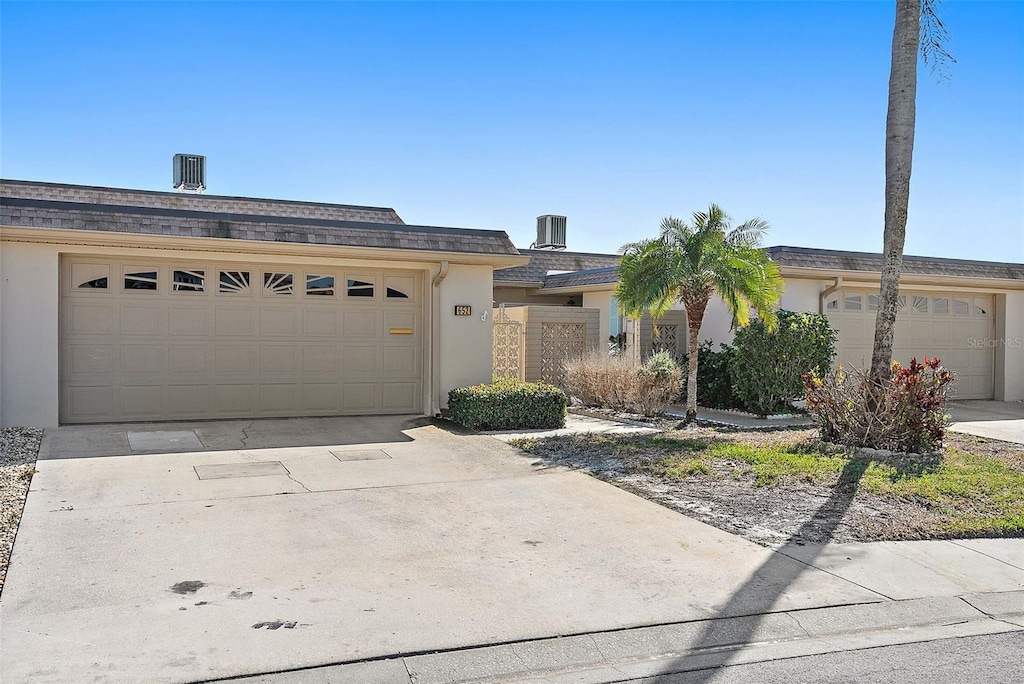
column 614, row 382
column 714, row 377
column 766, row 367
column 905, row 413
column 508, row 404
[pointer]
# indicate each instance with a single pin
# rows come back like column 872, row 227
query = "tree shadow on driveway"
column 758, row 595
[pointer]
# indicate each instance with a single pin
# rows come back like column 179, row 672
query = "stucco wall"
column 28, row 334
column 602, row 302
column 1009, row 373
column 465, row 341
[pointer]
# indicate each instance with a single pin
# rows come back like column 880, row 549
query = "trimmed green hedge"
column 507, row 404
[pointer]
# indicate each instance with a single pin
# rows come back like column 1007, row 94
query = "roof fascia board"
column 873, row 278
column 527, row 284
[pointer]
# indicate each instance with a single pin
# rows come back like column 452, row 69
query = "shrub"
column 660, row 380
column 905, row 413
column 714, row 377
column 613, row 382
column 766, row 367
column 508, row 404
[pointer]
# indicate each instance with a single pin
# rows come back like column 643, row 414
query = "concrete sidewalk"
column 211, row 564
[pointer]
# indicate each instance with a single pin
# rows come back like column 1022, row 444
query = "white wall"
column 465, row 341
column 29, row 288
column 602, row 302
column 1009, row 380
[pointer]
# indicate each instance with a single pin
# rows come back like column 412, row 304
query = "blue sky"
column 486, row 115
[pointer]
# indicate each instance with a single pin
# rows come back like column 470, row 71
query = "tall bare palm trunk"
column 694, row 318
column 899, row 152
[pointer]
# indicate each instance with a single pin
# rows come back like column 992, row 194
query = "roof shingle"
column 835, row 260
column 542, row 261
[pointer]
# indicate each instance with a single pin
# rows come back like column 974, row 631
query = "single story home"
column 126, row 305
column 122, row 305
column 970, row 314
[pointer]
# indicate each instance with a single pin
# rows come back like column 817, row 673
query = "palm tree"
column 918, row 28
column 689, row 263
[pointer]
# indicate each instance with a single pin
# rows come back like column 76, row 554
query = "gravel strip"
column 18, row 450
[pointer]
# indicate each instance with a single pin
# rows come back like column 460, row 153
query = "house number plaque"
column 463, row 310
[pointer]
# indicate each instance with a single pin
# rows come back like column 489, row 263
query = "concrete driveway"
column 1003, row 420
column 234, row 555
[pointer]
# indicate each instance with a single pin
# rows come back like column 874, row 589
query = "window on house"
column 920, row 305
column 614, row 322
column 399, row 287
column 359, row 288
column 188, row 281
column 940, row 305
column 873, row 301
column 320, row 285
column 235, row 282
column 140, row 280
column 277, row 283
column 852, row 302
column 91, row 276
column 961, row 307
column 980, row 307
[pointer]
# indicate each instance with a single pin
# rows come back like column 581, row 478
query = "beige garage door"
column 148, row 340
column 952, row 326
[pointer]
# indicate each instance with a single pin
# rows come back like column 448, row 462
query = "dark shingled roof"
column 36, row 213
column 543, row 260
column 830, row 259
column 88, row 194
column 591, row 276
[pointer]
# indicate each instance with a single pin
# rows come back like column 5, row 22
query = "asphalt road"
column 991, row 659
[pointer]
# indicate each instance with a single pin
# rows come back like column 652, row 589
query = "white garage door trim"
column 950, row 325
column 146, row 339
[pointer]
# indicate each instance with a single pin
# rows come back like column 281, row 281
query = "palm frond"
column 749, row 233
column 934, row 38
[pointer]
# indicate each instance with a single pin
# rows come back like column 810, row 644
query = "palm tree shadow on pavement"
column 713, row 648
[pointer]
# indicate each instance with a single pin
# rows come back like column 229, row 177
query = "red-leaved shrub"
column 904, row 413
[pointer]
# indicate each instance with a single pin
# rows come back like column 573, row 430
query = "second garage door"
column 953, row 326
column 158, row 340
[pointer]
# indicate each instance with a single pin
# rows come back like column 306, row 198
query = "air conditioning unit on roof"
column 189, row 172
column 550, row 232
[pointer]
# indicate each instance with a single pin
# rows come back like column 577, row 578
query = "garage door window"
column 961, row 307
column 188, row 281
column 235, row 282
column 144, row 280
column 852, row 302
column 359, row 288
column 920, row 305
column 940, row 305
column 91, row 276
column 398, row 287
column 319, row 285
column 277, row 283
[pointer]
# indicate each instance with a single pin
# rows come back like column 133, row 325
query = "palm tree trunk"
column 694, row 318
column 899, row 152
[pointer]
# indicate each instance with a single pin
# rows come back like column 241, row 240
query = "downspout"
column 435, row 339
column 825, row 293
